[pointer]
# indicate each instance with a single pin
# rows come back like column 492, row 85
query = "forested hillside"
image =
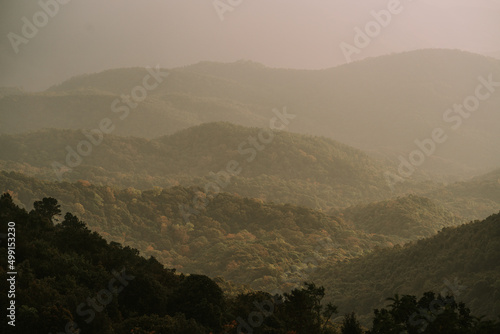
column 463, row 261
column 473, row 199
column 315, row 172
column 240, row 239
column 408, row 218
column 280, row 166
column 310, row 171
column 71, row 280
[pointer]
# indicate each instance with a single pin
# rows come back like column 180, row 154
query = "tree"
column 46, row 209
column 303, row 310
column 431, row 314
column 200, row 298
column 350, row 325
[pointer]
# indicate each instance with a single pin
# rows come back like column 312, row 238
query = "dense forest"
column 472, row 199
column 336, row 175
column 408, row 218
column 71, row 280
column 464, row 260
column 266, row 246
column 315, row 172
column 245, row 240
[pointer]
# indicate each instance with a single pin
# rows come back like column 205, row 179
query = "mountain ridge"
column 391, row 101
column 335, row 174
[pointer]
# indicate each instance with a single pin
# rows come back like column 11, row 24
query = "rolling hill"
column 316, row 172
column 278, row 166
column 241, row 239
column 406, row 218
column 462, row 261
column 269, row 246
column 244, row 240
column 475, row 198
column 71, row 279
column 380, row 104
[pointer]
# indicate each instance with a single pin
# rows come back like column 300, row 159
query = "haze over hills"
column 471, row 199
column 404, row 219
column 285, row 167
column 389, row 101
column 275, row 166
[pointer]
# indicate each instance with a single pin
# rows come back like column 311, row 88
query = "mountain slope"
column 408, row 218
column 287, row 168
column 85, row 108
column 69, row 278
column 476, row 198
column 381, row 104
column 463, row 261
column 279, row 166
column 244, row 240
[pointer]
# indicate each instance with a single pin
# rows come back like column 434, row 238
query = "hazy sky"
column 86, row 36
